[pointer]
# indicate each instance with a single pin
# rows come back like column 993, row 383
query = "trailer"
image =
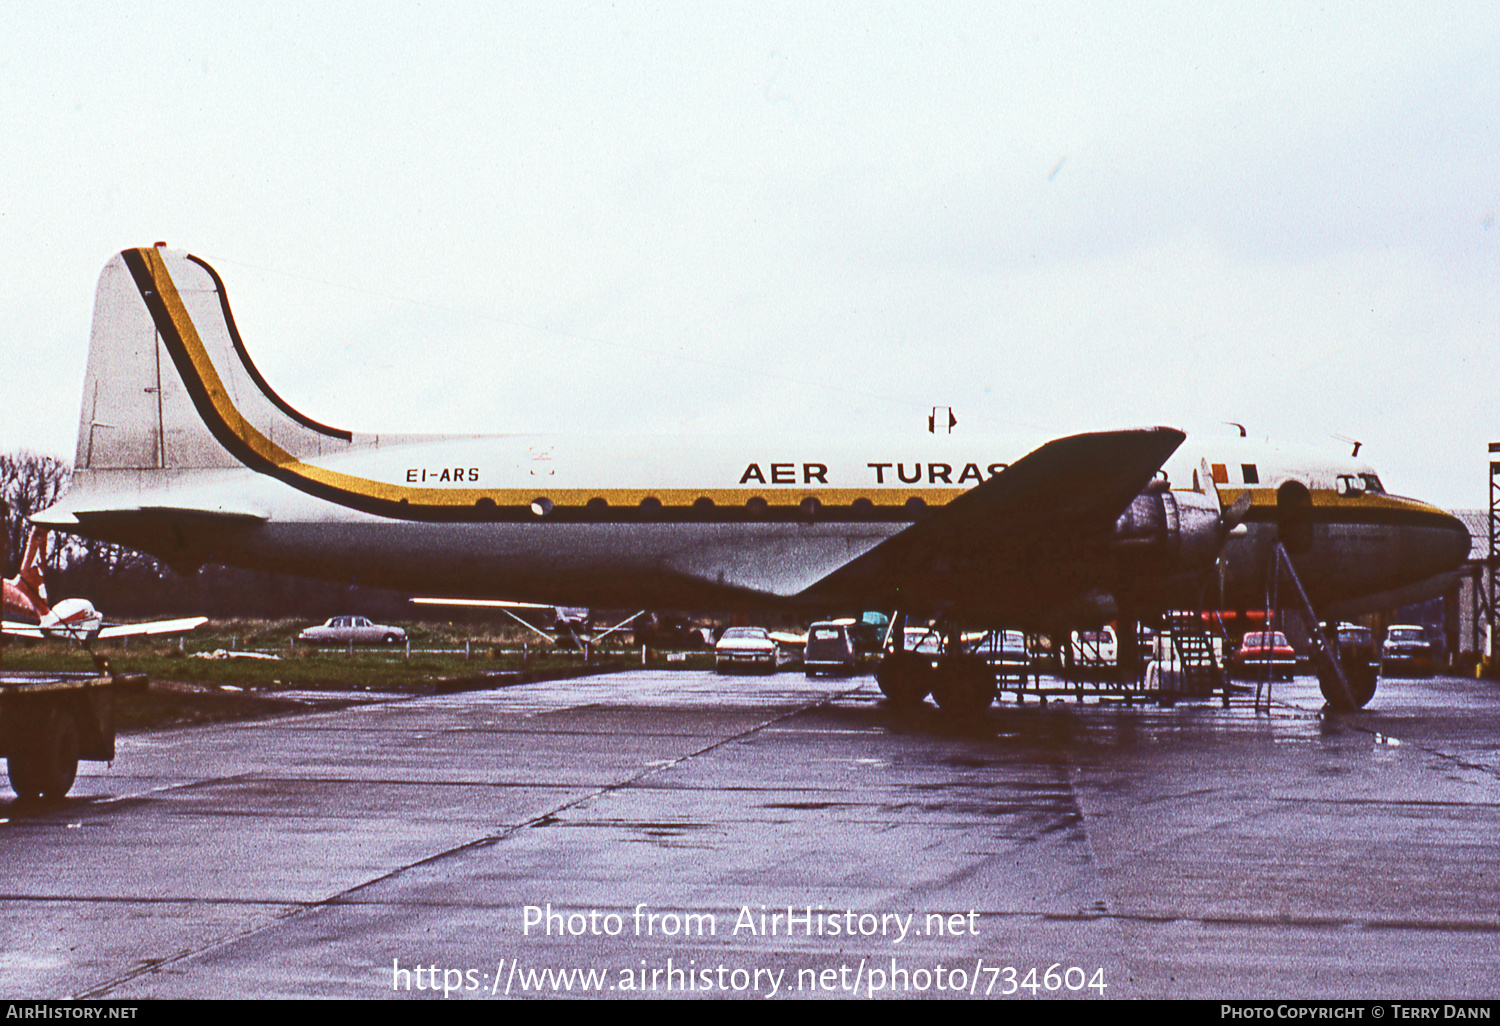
column 49, row 721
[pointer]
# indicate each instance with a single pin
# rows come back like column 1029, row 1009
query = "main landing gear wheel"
column 44, row 760
column 904, row 678
column 1362, row 680
column 964, row 684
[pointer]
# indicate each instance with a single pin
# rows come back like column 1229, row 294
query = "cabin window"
column 1220, row 473
column 1251, row 475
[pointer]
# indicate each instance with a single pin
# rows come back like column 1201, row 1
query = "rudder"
column 169, row 385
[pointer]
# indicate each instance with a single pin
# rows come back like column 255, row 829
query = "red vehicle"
column 1260, row 651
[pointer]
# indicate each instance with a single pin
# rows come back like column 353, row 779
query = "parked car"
column 924, row 640
column 340, row 630
column 1094, row 649
column 745, row 649
column 663, row 630
column 1262, row 649
column 831, row 648
column 1357, row 645
column 1007, row 653
column 1407, row 652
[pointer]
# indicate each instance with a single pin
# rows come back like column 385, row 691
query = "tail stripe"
column 248, row 444
column 260, row 382
column 245, row 442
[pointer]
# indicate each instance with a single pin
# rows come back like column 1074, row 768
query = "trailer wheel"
column 44, row 762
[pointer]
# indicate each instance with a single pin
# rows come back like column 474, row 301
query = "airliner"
column 185, row 451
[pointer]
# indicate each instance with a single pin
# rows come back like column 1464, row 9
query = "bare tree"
column 29, row 483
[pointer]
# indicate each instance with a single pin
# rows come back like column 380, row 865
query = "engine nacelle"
column 1172, row 532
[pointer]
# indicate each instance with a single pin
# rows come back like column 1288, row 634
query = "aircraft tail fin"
column 169, row 385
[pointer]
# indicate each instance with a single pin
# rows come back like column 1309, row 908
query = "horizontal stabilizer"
column 59, row 517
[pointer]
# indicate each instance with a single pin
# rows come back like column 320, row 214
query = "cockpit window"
column 1349, row 484
column 1372, row 484
column 1252, row 475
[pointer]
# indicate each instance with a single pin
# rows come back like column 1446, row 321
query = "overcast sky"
column 809, row 219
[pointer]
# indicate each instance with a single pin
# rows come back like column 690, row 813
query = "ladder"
column 1195, row 666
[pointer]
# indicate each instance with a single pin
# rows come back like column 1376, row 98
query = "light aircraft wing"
column 481, row 603
column 1033, row 536
column 122, row 630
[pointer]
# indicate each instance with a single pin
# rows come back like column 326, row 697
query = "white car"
column 924, row 640
column 340, row 630
column 1094, row 649
column 745, row 650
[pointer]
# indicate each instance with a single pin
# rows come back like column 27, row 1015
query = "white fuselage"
column 660, row 521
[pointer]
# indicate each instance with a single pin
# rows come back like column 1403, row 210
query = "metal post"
column 1494, row 553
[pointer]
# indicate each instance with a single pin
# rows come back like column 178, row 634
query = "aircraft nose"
column 1452, row 543
column 1439, row 545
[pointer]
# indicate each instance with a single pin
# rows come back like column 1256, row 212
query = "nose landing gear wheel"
column 1362, row 681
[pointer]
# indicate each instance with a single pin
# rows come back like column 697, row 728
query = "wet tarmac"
column 412, row 845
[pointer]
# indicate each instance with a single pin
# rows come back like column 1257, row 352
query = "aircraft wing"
column 482, row 603
column 121, row 630
column 1033, row 537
